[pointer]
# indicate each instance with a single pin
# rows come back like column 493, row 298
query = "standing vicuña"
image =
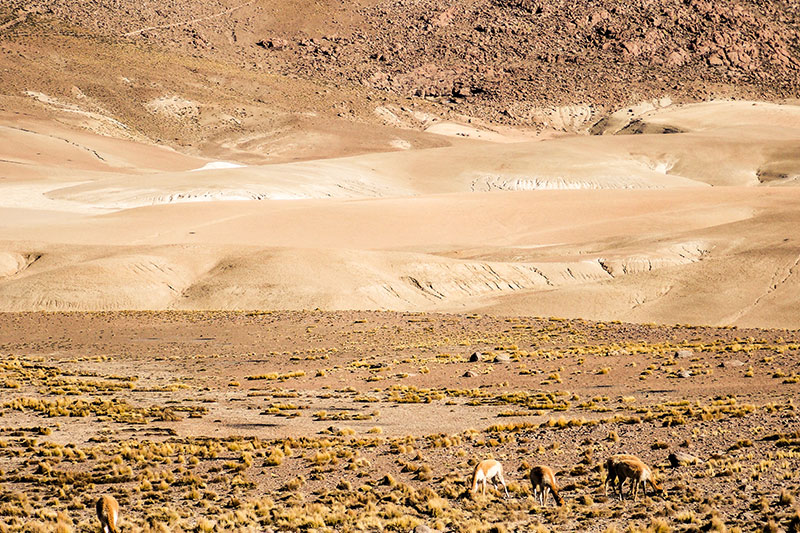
column 639, row 474
column 543, row 480
column 488, row 470
column 108, row 513
column 611, row 469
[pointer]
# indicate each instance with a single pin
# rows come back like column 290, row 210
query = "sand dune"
column 747, row 145
column 667, row 227
column 527, row 252
column 777, row 119
column 526, row 220
column 192, row 277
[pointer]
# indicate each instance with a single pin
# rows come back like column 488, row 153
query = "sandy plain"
column 682, row 214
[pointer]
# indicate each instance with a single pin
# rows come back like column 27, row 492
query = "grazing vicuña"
column 108, row 513
column 638, row 472
column 611, row 472
column 488, row 470
column 543, row 480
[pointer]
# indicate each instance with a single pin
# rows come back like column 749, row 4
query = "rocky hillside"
column 502, row 60
column 514, row 56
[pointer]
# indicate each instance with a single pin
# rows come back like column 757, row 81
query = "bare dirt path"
column 188, row 22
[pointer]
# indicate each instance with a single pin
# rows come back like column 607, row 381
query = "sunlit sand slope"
column 669, row 216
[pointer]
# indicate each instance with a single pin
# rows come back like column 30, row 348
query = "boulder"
column 273, row 44
column 716, row 59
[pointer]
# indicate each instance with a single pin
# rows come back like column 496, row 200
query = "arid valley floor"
column 201, row 421
column 248, row 249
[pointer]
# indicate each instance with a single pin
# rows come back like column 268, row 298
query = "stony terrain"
column 516, row 61
column 315, row 421
column 506, row 60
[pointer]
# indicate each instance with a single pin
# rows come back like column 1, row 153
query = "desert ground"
column 695, row 226
column 365, row 421
column 248, row 249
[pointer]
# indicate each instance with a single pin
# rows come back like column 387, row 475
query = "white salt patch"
column 215, row 165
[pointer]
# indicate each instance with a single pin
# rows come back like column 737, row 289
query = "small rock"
column 470, row 374
column 461, row 91
column 732, row 363
column 676, row 59
column 684, row 353
column 681, row 459
column 422, row 528
column 502, row 358
column 685, row 374
column 475, row 357
column 632, row 47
